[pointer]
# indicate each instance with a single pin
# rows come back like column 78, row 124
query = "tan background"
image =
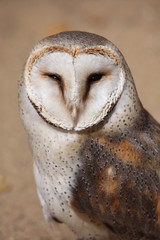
column 134, row 26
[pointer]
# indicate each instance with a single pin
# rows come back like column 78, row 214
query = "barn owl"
column 96, row 149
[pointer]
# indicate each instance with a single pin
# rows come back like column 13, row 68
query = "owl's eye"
column 55, row 77
column 95, row 77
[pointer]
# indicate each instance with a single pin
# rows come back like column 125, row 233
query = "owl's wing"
column 119, row 181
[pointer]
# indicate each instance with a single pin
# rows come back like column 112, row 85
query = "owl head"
column 74, row 80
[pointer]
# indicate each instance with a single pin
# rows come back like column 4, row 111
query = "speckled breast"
column 119, row 182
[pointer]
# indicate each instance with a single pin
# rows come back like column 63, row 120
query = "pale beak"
column 74, row 115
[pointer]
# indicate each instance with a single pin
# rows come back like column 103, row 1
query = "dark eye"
column 95, row 77
column 55, row 77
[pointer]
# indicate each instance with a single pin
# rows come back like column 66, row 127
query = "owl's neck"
column 126, row 112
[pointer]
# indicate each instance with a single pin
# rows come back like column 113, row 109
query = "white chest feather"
column 56, row 166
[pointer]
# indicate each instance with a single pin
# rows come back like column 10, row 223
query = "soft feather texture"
column 103, row 181
column 55, row 103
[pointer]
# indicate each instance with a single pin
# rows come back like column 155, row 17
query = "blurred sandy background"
column 134, row 26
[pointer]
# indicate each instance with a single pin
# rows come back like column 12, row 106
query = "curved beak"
column 74, row 114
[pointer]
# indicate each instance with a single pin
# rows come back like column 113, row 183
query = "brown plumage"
column 119, row 182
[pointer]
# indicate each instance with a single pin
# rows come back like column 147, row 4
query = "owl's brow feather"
column 74, row 52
